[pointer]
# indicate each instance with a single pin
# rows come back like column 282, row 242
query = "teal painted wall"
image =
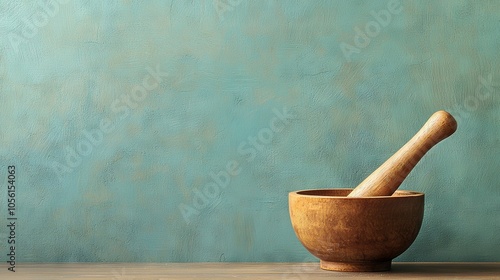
column 159, row 131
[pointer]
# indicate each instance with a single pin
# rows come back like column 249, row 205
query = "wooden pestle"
column 386, row 179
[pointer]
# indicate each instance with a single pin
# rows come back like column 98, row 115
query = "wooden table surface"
column 254, row 271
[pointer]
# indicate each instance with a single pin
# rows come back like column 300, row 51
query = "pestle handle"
column 386, row 179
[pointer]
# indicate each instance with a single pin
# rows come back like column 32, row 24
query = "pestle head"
column 388, row 177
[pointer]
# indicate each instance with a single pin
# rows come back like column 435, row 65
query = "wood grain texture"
column 252, row 271
column 355, row 234
column 388, row 177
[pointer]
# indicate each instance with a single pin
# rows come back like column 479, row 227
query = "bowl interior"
column 345, row 192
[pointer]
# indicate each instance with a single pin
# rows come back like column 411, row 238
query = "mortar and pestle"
column 365, row 228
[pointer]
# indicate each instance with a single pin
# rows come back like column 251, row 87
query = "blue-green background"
column 228, row 71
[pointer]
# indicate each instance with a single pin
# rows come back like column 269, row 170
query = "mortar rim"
column 401, row 194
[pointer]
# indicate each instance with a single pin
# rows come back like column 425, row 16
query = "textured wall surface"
column 172, row 131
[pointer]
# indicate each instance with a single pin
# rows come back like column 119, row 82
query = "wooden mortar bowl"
column 355, row 233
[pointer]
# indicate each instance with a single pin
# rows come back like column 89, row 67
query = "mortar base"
column 356, row 266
